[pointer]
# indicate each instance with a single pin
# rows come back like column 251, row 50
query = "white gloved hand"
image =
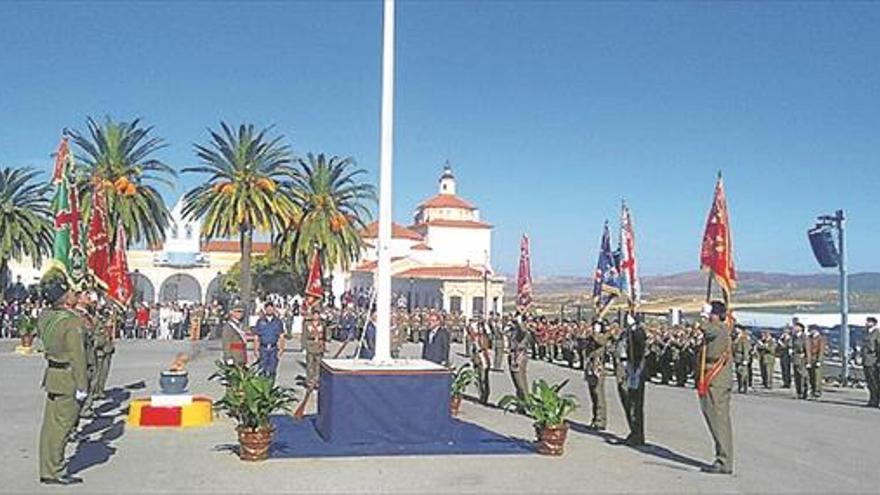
column 80, row 395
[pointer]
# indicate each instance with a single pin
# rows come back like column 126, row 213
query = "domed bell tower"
column 447, row 181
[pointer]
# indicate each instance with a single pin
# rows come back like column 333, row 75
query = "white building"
column 442, row 260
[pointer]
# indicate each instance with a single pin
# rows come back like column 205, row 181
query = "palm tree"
column 119, row 156
column 335, row 209
column 25, row 219
column 247, row 189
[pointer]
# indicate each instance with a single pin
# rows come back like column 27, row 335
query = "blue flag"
column 606, row 283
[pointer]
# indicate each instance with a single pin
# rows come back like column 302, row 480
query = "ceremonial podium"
column 402, row 403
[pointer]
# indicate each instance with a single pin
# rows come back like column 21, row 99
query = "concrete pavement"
column 782, row 445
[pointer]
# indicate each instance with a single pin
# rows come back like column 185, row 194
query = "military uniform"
column 234, row 343
column 799, row 350
column 816, row 343
column 480, row 360
column 714, row 393
column 104, row 348
column 741, row 351
column 594, row 373
column 631, row 388
column 315, row 347
column 767, row 359
column 783, row 350
column 870, row 362
column 270, row 332
column 66, row 383
column 518, row 359
column 496, row 326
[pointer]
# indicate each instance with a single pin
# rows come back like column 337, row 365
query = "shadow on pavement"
column 96, row 436
column 648, row 448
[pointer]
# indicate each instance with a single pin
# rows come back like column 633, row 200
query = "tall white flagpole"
column 386, row 151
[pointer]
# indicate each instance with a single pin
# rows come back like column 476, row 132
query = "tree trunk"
column 2, row 280
column 247, row 238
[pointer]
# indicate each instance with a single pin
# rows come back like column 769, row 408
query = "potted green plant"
column 27, row 328
column 463, row 377
column 249, row 400
column 549, row 408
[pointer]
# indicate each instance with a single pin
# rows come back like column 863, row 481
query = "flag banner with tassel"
column 716, row 255
column 628, row 266
column 314, row 286
column 65, row 245
column 524, row 276
column 98, row 244
column 120, row 287
column 606, row 283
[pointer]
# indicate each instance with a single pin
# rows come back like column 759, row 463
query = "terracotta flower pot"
column 27, row 340
column 454, row 404
column 254, row 444
column 551, row 439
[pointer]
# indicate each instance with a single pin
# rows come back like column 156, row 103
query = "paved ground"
column 782, row 445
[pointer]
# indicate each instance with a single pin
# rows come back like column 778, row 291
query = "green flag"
column 65, row 205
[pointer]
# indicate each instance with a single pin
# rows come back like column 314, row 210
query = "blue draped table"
column 408, row 403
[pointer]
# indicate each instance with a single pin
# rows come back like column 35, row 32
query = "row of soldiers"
column 800, row 354
column 77, row 333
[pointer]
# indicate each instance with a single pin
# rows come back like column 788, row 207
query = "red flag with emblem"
column 314, row 286
column 716, row 255
column 120, row 287
column 98, row 243
column 524, row 277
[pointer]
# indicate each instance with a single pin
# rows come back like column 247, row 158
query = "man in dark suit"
column 436, row 346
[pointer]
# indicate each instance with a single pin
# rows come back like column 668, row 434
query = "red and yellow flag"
column 120, row 287
column 716, row 255
column 524, row 276
column 314, row 285
column 98, row 256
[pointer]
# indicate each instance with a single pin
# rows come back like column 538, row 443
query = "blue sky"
column 550, row 113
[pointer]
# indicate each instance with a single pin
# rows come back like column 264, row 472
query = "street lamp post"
column 836, row 222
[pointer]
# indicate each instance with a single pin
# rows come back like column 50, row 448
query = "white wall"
column 456, row 246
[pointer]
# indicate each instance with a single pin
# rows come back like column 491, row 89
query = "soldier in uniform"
column 871, row 360
column 269, row 340
column 783, row 350
column 104, row 343
column 496, row 327
column 816, row 343
column 741, row 346
column 800, row 351
column 716, row 379
column 65, row 380
column 233, row 338
column 594, row 372
column 477, row 334
column 315, row 345
column 517, row 358
column 84, row 309
column 632, row 391
column 767, row 358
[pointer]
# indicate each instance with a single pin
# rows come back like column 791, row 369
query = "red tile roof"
column 447, row 201
column 422, row 247
column 397, row 232
column 442, row 272
column 369, row 266
column 225, row 246
column 461, row 224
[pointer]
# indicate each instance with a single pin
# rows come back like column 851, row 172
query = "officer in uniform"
column 480, row 358
column 783, row 350
column 84, row 309
column 741, row 347
column 517, row 358
column 315, row 345
column 871, row 360
column 65, row 380
column 594, row 372
column 716, row 380
column 104, row 349
column 233, row 337
column 800, row 351
column 767, row 358
column 632, row 393
column 496, row 327
column 816, row 343
column 269, row 340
